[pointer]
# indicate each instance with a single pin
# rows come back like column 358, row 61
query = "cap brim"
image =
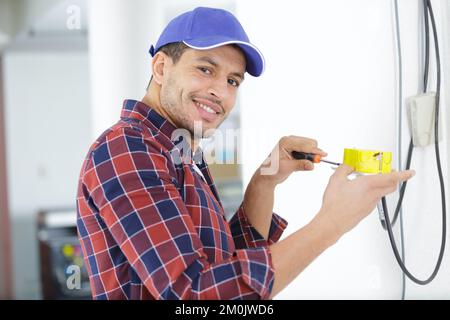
column 255, row 59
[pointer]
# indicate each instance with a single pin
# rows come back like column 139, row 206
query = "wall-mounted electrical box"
column 421, row 112
column 368, row 161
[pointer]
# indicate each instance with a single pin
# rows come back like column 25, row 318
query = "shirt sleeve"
column 246, row 236
column 144, row 212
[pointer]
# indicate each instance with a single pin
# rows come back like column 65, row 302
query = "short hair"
column 174, row 50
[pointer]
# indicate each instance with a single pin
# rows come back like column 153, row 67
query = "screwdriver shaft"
column 311, row 157
column 330, row 162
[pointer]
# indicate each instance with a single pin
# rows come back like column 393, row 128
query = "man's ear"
column 159, row 64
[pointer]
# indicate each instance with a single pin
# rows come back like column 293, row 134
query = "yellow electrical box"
column 368, row 161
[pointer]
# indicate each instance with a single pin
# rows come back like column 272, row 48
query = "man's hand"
column 346, row 202
column 259, row 195
column 282, row 162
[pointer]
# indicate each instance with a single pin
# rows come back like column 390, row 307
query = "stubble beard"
column 180, row 115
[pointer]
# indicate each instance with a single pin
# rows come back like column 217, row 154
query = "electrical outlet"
column 421, row 111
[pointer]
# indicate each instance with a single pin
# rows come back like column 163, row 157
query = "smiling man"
column 150, row 220
column 177, row 90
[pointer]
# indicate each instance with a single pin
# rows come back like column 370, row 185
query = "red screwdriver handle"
column 315, row 158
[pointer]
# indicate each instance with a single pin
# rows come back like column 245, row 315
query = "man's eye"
column 233, row 82
column 204, row 70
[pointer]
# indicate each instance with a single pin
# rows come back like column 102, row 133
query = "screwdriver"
column 315, row 158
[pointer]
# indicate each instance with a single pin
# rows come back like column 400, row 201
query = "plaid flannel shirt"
column 150, row 227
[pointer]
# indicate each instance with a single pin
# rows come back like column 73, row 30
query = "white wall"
column 331, row 75
column 120, row 36
column 47, row 115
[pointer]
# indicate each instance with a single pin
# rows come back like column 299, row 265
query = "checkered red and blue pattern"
column 151, row 228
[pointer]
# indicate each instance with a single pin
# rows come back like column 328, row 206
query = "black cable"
column 427, row 46
column 425, row 85
column 429, row 10
column 411, row 145
column 403, row 187
column 399, row 137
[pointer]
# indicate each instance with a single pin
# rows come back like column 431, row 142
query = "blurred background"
column 332, row 74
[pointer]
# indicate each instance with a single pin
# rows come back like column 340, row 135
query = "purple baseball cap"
column 208, row 28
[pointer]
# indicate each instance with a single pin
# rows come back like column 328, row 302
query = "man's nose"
column 218, row 89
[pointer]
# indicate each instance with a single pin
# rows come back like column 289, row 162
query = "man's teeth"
column 206, row 108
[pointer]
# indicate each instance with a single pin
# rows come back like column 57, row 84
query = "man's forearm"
column 258, row 203
column 294, row 253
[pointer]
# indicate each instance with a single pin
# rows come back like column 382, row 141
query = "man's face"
column 202, row 87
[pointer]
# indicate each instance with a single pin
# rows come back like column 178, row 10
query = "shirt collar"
column 138, row 110
column 164, row 129
column 179, row 149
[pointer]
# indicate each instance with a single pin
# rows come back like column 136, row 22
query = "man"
column 150, row 220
